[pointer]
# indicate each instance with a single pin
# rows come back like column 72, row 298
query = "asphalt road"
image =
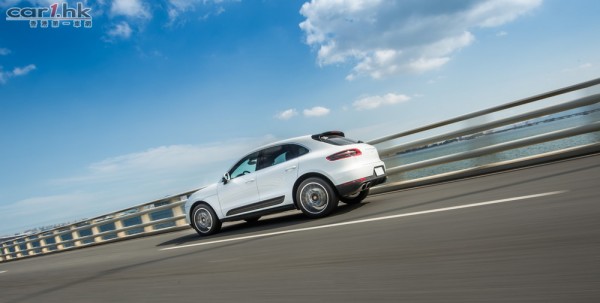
column 531, row 235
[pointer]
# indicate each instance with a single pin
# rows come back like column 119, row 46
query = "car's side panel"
column 237, row 193
column 277, row 181
column 255, row 206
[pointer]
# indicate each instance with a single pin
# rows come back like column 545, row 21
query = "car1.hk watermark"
column 54, row 15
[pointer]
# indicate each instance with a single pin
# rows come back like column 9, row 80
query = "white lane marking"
column 371, row 219
column 1, row 272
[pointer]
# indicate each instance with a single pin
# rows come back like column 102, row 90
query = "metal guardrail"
column 479, row 128
column 555, row 135
column 167, row 214
column 479, row 113
column 394, row 151
column 150, row 218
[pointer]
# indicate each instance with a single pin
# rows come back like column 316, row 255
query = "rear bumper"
column 361, row 184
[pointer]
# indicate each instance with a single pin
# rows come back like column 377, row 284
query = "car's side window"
column 280, row 159
column 295, row 151
column 245, row 166
column 279, row 154
column 268, row 156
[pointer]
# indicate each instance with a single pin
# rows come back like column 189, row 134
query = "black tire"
column 356, row 198
column 316, row 198
column 205, row 220
column 252, row 220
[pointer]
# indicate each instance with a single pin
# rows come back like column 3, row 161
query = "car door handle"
column 291, row 168
column 250, row 181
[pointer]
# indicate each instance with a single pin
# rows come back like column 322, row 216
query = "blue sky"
column 159, row 97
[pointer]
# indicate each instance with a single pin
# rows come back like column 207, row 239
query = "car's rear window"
column 337, row 140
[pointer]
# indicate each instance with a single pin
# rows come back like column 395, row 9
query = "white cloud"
column 4, row 51
column 159, row 161
column 177, row 7
column 16, row 72
column 3, row 77
column 130, row 8
column 501, row 34
column 287, row 114
column 121, row 30
column 22, row 71
column 166, row 164
column 382, row 38
column 206, row 8
column 316, row 111
column 580, row 67
column 43, row 211
column 373, row 102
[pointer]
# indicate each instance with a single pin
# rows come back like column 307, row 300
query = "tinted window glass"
column 295, row 151
column 245, row 166
column 280, row 159
column 271, row 156
column 279, row 154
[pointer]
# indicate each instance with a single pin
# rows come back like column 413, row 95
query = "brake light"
column 345, row 154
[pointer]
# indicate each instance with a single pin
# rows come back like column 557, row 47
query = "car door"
column 278, row 170
column 241, row 190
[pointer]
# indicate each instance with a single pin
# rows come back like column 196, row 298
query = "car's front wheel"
column 204, row 220
column 356, row 198
column 316, row 198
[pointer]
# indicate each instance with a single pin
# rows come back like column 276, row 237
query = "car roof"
column 302, row 140
column 308, row 141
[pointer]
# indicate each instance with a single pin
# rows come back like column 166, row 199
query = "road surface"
column 529, row 235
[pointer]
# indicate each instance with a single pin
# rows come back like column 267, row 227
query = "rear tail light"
column 345, row 154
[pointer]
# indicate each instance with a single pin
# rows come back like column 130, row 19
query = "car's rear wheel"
column 356, row 198
column 316, row 198
column 204, row 220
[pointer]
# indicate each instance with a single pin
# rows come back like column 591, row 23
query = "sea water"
column 491, row 139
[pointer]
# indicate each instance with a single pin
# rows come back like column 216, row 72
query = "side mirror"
column 226, row 178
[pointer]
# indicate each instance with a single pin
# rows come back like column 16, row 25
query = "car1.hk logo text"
column 54, row 15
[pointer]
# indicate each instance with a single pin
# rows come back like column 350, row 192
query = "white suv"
column 310, row 173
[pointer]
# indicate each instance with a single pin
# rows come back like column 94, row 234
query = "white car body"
column 273, row 185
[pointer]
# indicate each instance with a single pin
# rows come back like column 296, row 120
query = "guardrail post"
column 95, row 231
column 17, row 249
column 58, row 240
column 8, row 253
column 178, row 211
column 118, row 228
column 5, row 252
column 146, row 219
column 44, row 245
column 29, row 245
column 75, row 235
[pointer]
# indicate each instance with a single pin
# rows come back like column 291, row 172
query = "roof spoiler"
column 328, row 134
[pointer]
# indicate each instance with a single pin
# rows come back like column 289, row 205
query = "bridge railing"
column 150, row 218
column 167, row 214
column 399, row 170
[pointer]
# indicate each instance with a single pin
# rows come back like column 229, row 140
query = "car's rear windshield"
column 337, row 140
